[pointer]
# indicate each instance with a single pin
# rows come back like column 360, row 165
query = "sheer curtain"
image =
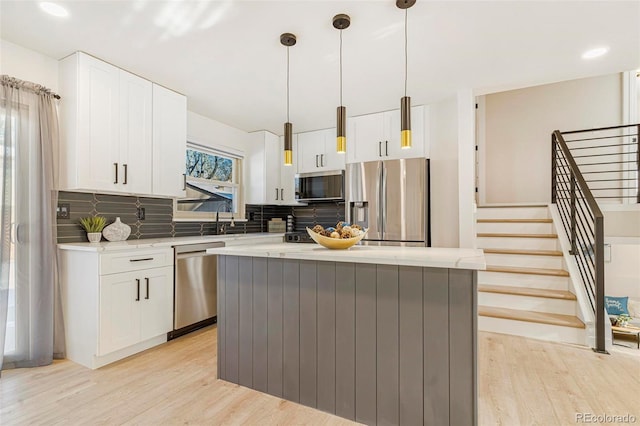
column 31, row 327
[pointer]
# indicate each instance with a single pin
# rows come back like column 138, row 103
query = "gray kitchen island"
column 379, row 335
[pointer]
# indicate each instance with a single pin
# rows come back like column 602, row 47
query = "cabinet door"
column 311, row 145
column 156, row 297
column 135, row 133
column 274, row 156
column 392, row 135
column 119, row 312
column 169, row 142
column 287, row 174
column 365, row 138
column 330, row 158
column 97, row 158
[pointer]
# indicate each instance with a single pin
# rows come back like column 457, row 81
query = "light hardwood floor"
column 521, row 382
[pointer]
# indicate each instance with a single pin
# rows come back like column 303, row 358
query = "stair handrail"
column 557, row 140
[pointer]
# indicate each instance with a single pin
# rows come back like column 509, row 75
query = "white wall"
column 444, row 173
column 17, row 61
column 208, row 132
column 518, row 132
column 466, row 168
column 622, row 273
column 622, row 224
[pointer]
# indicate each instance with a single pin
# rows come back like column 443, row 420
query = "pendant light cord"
column 406, row 55
column 340, row 67
column 287, row 84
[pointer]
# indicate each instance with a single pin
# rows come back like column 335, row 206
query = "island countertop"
column 454, row 258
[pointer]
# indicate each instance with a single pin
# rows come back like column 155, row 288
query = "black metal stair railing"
column 608, row 159
column 613, row 176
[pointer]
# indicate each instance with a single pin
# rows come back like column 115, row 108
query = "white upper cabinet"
column 288, row 174
column 377, row 136
column 169, row 142
column 89, row 124
column 267, row 179
column 262, row 169
column 119, row 132
column 135, row 133
column 365, row 136
column 317, row 151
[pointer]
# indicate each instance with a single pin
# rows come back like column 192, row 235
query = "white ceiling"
column 227, row 58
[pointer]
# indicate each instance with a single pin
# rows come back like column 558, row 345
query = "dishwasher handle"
column 193, row 254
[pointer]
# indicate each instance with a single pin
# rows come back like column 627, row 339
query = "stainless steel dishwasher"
column 195, row 288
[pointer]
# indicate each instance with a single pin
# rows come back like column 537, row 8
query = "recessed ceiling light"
column 594, row 53
column 54, row 9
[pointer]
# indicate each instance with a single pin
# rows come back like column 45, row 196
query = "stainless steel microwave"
column 320, row 186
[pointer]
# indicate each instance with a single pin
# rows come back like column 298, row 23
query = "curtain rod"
column 27, row 85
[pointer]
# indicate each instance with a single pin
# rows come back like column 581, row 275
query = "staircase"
column 525, row 289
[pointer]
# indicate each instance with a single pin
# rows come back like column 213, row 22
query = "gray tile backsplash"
column 159, row 222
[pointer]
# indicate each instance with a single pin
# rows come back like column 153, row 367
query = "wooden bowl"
column 335, row 243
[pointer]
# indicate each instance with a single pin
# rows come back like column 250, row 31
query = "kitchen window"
column 213, row 184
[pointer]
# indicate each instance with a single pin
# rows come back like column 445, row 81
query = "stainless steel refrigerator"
column 391, row 199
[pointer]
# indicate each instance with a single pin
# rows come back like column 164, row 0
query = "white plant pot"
column 94, row 237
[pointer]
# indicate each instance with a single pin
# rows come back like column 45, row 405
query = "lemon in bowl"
column 336, row 243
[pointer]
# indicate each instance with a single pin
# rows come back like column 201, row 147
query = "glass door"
column 10, row 344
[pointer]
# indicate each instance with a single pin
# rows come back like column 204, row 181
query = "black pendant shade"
column 288, row 40
column 340, row 22
column 405, row 101
column 405, row 122
column 341, row 141
column 288, row 144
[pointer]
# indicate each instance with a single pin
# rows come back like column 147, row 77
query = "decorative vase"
column 94, row 237
column 117, row 231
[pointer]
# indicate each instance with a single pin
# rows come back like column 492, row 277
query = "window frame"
column 236, row 183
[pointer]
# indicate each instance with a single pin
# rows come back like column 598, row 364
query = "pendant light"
column 405, row 102
column 340, row 22
column 288, row 40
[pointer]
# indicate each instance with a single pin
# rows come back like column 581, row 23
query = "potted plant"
column 94, row 226
column 623, row 320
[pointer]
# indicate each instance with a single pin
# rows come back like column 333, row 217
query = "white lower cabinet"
column 115, row 304
column 134, row 306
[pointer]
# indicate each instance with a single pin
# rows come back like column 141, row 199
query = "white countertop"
column 232, row 239
column 388, row 255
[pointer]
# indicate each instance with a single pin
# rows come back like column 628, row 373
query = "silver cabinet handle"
column 125, row 174
column 321, row 160
column 386, row 148
column 281, row 194
column 141, row 260
column 184, row 181
column 316, row 160
column 138, row 294
column 115, row 165
column 380, row 149
column 147, row 280
column 276, row 194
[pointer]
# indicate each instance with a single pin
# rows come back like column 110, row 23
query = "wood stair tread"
column 530, row 316
column 523, row 291
column 530, row 271
column 523, row 252
column 515, row 220
column 501, row 235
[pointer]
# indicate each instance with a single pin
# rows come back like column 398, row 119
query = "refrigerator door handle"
column 383, row 200
column 379, row 199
